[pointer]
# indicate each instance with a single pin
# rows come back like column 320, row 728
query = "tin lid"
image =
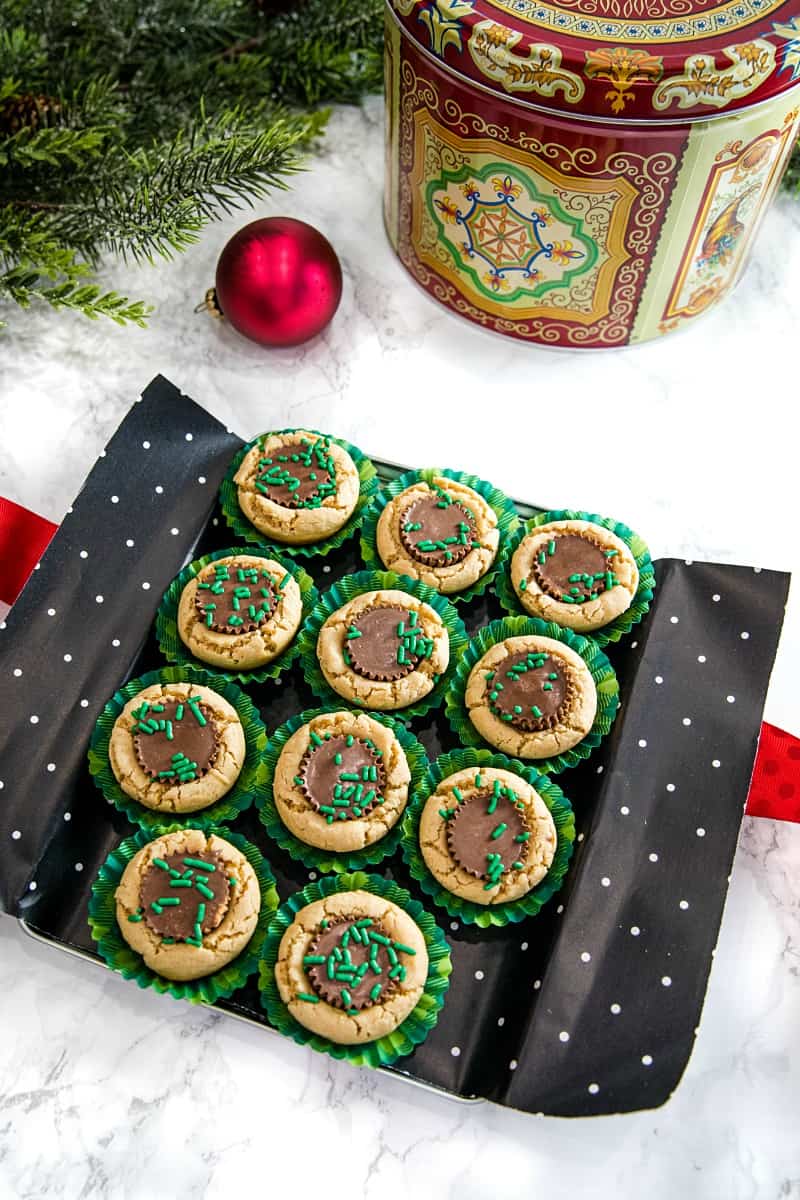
column 621, row 60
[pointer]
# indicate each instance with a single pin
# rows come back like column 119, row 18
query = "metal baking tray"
column 590, row 1007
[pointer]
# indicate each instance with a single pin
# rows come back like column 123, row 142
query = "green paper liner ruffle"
column 175, row 650
column 312, row 856
column 123, row 958
column 512, row 911
column 503, row 508
column 621, row 625
column 600, row 668
column 229, row 806
column 341, row 593
column 420, row 1021
column 244, row 528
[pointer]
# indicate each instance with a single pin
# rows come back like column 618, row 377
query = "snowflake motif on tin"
column 509, row 239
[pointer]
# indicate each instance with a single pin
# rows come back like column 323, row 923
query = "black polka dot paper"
column 591, row 1006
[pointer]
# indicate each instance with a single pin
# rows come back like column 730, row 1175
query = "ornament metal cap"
column 210, row 304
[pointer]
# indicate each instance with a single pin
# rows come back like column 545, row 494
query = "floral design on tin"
column 492, row 48
column 704, row 83
column 509, row 239
column 623, row 68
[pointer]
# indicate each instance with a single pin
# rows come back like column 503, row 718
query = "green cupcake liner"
column 621, row 625
column 600, row 668
column 311, row 856
column 503, row 508
column 513, row 911
column 175, row 650
column 344, row 590
column 122, row 958
column 244, row 528
column 417, row 1025
column 229, row 806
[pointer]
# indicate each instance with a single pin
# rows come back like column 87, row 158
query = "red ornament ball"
column 279, row 281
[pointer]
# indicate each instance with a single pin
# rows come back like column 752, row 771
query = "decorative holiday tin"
column 589, row 173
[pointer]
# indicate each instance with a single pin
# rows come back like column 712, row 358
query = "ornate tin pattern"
column 574, row 232
column 658, row 56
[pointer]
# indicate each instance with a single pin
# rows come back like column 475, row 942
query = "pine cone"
column 29, row 111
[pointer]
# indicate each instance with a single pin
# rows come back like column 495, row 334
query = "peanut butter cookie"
column 297, row 486
column 575, row 573
column 177, row 747
column 341, row 781
column 188, row 903
column 487, row 835
column 383, row 649
column 531, row 696
column 443, row 533
column 351, row 967
column 240, row 612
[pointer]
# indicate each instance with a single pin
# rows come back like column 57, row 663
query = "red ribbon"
column 775, row 788
column 24, row 537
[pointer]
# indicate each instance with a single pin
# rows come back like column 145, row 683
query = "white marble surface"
column 109, row 1092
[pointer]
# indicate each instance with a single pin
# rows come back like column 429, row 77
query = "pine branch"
column 127, row 125
column 52, row 147
column 24, row 286
column 156, row 201
column 29, row 240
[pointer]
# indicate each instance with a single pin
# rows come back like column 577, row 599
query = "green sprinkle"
column 611, row 553
column 232, row 881
column 523, row 584
column 522, row 837
column 194, row 705
column 350, row 739
column 551, row 547
column 537, row 712
column 346, row 997
column 499, row 830
column 517, row 866
column 337, row 758
column 375, row 991
column 168, row 901
column 518, row 708
column 310, row 959
column 159, row 862
column 204, row 891
column 404, row 949
column 446, row 814
column 478, row 781
column 284, row 581
column 135, row 917
column 180, row 883
column 307, row 997
column 378, row 937
column 315, row 738
column 196, row 862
